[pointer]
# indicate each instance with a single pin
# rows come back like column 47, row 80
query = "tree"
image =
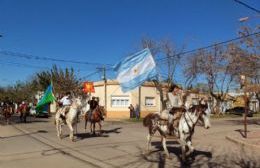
column 64, row 80
column 217, row 66
column 251, row 63
column 170, row 58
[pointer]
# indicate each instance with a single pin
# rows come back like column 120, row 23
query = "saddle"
column 171, row 118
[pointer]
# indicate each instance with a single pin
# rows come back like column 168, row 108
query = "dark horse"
column 96, row 117
column 7, row 112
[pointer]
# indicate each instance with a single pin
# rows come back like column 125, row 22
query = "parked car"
column 43, row 114
column 240, row 111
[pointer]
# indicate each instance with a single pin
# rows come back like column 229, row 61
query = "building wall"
column 114, row 92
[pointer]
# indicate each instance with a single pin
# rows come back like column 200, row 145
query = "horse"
column 187, row 124
column 71, row 118
column 174, row 120
column 24, row 111
column 7, row 112
column 96, row 117
column 166, row 123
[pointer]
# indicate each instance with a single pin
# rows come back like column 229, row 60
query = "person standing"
column 137, row 111
column 132, row 111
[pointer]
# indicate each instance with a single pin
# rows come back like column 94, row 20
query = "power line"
column 28, row 56
column 22, row 65
column 209, row 46
column 90, row 74
column 247, row 6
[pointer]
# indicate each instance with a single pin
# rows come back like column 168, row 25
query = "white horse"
column 187, row 124
column 70, row 118
column 165, row 123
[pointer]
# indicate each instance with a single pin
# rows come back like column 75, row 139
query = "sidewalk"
column 252, row 141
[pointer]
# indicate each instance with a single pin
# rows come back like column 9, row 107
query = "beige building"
column 146, row 98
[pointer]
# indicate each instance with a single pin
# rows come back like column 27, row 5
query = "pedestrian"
column 137, row 111
column 132, row 111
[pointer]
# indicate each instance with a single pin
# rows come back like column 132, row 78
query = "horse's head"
column 204, row 115
column 76, row 102
column 103, row 110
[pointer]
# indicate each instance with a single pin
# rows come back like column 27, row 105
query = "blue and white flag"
column 134, row 70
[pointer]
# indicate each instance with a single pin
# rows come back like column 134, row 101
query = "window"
column 120, row 101
column 149, row 101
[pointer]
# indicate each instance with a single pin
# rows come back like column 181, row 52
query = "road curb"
column 242, row 143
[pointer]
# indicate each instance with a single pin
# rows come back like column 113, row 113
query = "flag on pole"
column 134, row 70
column 47, row 98
column 88, row 87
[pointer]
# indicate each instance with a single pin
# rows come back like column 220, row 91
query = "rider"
column 92, row 105
column 65, row 102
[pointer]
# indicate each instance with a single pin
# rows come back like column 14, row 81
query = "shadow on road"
column 39, row 131
column 104, row 133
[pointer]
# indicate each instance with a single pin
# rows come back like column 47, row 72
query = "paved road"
column 122, row 144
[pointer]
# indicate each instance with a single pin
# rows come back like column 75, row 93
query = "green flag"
column 47, row 98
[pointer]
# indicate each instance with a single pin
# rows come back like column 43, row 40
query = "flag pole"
column 139, row 100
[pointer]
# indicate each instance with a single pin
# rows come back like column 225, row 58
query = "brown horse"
column 24, row 111
column 96, row 117
column 7, row 112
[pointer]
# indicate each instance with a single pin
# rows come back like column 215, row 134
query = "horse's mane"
column 177, row 109
column 198, row 108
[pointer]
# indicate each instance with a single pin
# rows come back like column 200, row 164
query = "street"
column 122, row 144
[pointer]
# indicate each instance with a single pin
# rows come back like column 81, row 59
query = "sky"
column 105, row 31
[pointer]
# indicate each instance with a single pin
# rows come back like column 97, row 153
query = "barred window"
column 120, row 101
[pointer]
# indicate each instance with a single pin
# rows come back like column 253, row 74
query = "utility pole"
column 103, row 69
column 105, row 86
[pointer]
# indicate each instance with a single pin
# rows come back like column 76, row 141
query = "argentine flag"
column 134, row 70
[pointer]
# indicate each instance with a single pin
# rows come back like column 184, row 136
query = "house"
column 145, row 99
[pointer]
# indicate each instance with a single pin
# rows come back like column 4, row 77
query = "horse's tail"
column 148, row 119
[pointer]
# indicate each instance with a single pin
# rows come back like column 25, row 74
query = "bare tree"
column 216, row 66
column 170, row 58
column 251, row 63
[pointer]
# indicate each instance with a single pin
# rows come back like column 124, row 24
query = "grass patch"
column 134, row 120
column 227, row 115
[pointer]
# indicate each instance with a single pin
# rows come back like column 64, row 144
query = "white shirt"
column 65, row 101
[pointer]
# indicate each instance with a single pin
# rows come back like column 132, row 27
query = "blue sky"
column 104, row 31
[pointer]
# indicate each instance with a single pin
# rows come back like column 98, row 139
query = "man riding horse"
column 93, row 104
column 65, row 105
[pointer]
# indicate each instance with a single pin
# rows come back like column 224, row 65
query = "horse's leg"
column 91, row 125
column 94, row 128
column 99, row 123
column 58, row 128
column 190, row 147
column 86, row 123
column 183, row 147
column 149, row 139
column 165, row 147
column 71, row 131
